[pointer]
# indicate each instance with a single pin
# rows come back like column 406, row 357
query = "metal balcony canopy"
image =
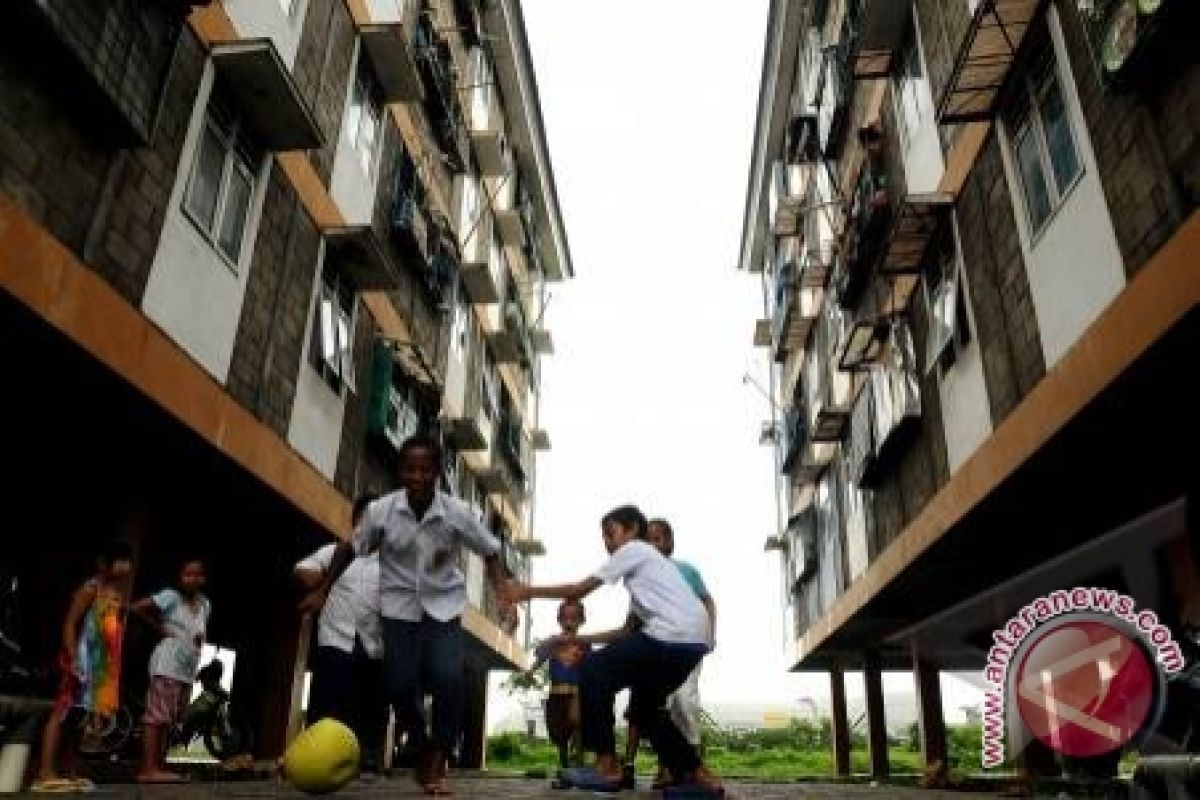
column 265, row 93
column 387, row 47
column 762, row 333
column 358, row 253
column 989, row 48
column 542, row 342
column 830, row 424
column 881, row 26
column 865, row 344
column 916, row 222
column 539, row 439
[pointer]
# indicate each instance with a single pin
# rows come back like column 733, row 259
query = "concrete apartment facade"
column 975, row 226
column 254, row 244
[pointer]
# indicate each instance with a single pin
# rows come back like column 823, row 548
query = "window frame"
column 332, row 288
column 1024, row 115
column 906, row 82
column 365, row 103
column 238, row 153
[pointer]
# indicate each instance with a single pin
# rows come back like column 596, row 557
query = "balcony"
column 409, row 218
column 878, row 27
column 387, row 40
column 442, row 270
column 835, row 93
column 870, row 215
column 469, row 425
column 786, row 198
column 801, row 546
column 483, row 268
column 796, row 308
column 887, row 412
column 515, row 219
column 393, row 411
column 511, row 343
column 981, row 69
column 793, row 437
column 439, row 78
column 539, row 438
column 262, row 86
column 508, row 472
column 361, row 257
column 487, row 119
column 110, row 59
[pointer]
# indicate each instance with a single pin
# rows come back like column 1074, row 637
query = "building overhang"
column 265, row 93
column 358, row 252
column 780, row 52
column 1068, row 464
column 527, row 134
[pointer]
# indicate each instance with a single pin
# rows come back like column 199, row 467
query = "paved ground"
column 475, row 788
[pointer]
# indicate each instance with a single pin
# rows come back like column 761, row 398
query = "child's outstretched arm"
column 516, row 592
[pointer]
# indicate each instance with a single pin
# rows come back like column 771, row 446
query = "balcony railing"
column 878, row 29
column 836, row 92
column 870, row 212
column 410, row 223
column 436, row 65
column 111, row 58
column 793, row 436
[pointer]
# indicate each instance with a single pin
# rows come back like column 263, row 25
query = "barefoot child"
column 651, row 662
column 182, row 615
column 91, row 666
column 565, row 654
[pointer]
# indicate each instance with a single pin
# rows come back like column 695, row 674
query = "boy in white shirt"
column 652, row 662
column 347, row 674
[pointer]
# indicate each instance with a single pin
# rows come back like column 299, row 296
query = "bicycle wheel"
column 105, row 735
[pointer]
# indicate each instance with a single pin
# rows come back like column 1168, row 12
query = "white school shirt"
column 353, row 604
column 176, row 655
column 418, row 561
column 658, row 594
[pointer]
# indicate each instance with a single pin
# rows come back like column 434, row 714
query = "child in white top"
column 182, row 617
column 666, row 637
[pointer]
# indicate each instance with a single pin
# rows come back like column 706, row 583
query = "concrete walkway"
column 490, row 788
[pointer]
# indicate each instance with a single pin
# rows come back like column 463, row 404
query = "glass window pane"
column 354, row 113
column 328, row 334
column 367, row 136
column 205, row 182
column 345, row 347
column 233, row 217
column 1063, row 158
column 1037, row 197
column 942, row 308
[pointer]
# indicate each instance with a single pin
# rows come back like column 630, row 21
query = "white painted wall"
column 351, row 186
column 193, row 294
column 966, row 412
column 1074, row 265
column 854, row 516
column 266, row 19
column 923, row 162
column 383, row 11
column 455, row 394
column 315, row 429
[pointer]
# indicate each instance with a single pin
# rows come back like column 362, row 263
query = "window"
column 908, row 87
column 364, row 116
column 489, row 381
column 221, row 183
column 458, row 329
column 1047, row 160
column 946, row 304
column 333, row 332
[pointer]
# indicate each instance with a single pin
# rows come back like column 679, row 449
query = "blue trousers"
column 651, row 670
column 420, row 658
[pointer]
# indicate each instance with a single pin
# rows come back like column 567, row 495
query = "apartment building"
column 974, row 224
column 247, row 247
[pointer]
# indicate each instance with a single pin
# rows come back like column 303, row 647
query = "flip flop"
column 693, row 791
column 589, row 780
column 57, row 786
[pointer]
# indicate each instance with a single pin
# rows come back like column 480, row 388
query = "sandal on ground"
column 589, row 780
column 693, row 791
column 58, row 786
column 436, row 789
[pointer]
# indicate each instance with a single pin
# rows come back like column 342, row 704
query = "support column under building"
column 474, row 731
column 840, row 733
column 876, row 720
column 930, row 719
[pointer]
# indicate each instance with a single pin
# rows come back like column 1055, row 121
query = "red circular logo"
column 1084, row 687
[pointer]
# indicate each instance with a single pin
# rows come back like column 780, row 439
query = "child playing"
column 565, row 657
column 91, row 665
column 684, row 702
column 651, row 662
column 182, row 615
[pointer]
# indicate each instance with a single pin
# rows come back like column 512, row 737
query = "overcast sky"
column 649, row 110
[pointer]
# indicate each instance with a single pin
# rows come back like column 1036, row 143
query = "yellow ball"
column 323, row 758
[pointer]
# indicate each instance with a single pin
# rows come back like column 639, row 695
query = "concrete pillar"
column 876, row 721
column 930, row 720
column 264, row 679
column 840, row 734
column 473, row 752
column 295, row 722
